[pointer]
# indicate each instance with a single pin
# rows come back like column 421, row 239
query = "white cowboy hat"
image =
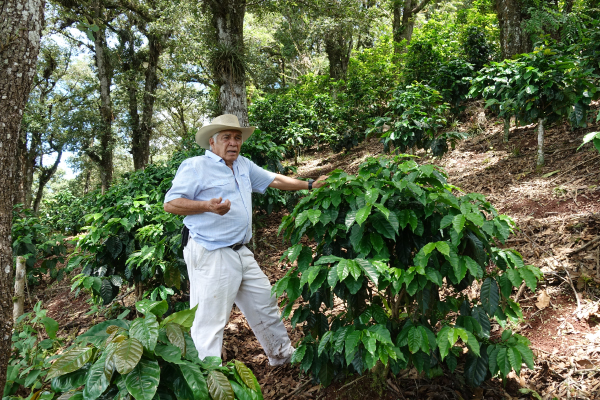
column 222, row 123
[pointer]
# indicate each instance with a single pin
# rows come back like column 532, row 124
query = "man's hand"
column 218, row 206
column 320, row 182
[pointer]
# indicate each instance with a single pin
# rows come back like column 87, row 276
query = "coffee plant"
column 147, row 357
column 34, row 239
column 399, row 253
column 415, row 119
column 32, row 354
column 453, row 80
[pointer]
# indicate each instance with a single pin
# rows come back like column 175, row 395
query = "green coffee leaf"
column 219, row 386
column 458, row 222
column 70, row 361
column 362, row 214
column 195, row 379
column 142, row 381
column 145, row 330
column 514, row 356
column 489, row 296
column 128, row 354
column 415, row 339
column 184, row 318
column 175, row 336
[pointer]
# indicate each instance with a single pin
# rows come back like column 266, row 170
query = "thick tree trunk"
column 20, row 32
column 104, row 157
column 403, row 22
column 228, row 24
column 338, row 50
column 513, row 39
column 141, row 143
column 540, row 150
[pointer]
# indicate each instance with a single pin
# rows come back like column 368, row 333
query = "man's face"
column 227, row 146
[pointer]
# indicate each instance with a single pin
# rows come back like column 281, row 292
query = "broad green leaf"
column 343, row 270
column 175, row 336
column 157, row 308
column 476, row 368
column 363, row 214
column 70, row 361
column 381, row 333
column 472, row 343
column 446, row 221
column 377, row 242
column 458, row 223
column 128, row 354
column 332, row 277
column 168, row 353
column 503, row 362
column 514, row 277
column 219, row 386
column 415, row 339
column 479, row 314
column 443, row 247
column 51, row 326
column 142, row 381
column 529, row 278
column 298, row 355
column 327, row 260
column 514, row 356
column 145, row 330
column 370, row 344
column 314, row 215
column 526, row 354
column 326, row 373
column 97, row 334
column 324, row 340
column 443, row 342
column 369, row 270
column 429, row 247
column 477, row 219
column 350, row 218
column 434, row 276
column 98, row 378
column 195, row 380
column 383, row 226
column 184, row 318
column 473, row 267
column 371, row 195
column 490, row 297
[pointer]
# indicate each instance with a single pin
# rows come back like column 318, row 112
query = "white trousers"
column 221, row 277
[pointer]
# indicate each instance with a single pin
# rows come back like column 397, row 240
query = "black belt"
column 236, row 246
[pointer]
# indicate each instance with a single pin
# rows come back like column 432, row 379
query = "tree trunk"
column 338, row 50
column 513, row 39
column 141, row 144
column 19, row 298
column 45, row 175
column 20, row 32
column 403, row 23
column 227, row 66
column 104, row 157
column 506, row 129
column 540, row 155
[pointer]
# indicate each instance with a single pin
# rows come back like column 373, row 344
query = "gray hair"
column 214, row 138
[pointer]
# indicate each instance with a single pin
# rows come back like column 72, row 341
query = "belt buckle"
column 236, row 247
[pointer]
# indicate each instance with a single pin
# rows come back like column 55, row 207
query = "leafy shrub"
column 415, row 118
column 31, row 355
column 422, row 59
column 130, row 237
column 453, row 80
column 143, row 358
column 33, row 239
column 65, row 212
column 398, row 249
column 477, row 49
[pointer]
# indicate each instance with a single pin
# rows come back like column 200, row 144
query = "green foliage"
column 477, row 48
column 147, row 357
column 33, row 239
column 65, row 212
column 389, row 240
column 545, row 84
column 592, row 137
column 415, row 118
column 453, row 80
column 421, row 60
column 31, row 355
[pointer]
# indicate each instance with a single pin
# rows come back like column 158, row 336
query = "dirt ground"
column 556, row 211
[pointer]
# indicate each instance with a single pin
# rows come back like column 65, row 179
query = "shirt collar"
column 217, row 158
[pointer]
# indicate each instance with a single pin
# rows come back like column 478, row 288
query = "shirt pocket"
column 216, row 188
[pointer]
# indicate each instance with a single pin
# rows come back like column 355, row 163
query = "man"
column 214, row 192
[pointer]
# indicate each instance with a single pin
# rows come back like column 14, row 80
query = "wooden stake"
column 19, row 298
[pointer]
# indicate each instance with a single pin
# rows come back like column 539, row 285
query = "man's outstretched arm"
column 182, row 206
column 283, row 182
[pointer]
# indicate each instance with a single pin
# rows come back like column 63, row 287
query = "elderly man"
column 214, row 193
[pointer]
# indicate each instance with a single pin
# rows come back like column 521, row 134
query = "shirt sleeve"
column 260, row 178
column 186, row 183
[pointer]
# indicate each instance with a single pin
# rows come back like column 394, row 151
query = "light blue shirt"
column 208, row 177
